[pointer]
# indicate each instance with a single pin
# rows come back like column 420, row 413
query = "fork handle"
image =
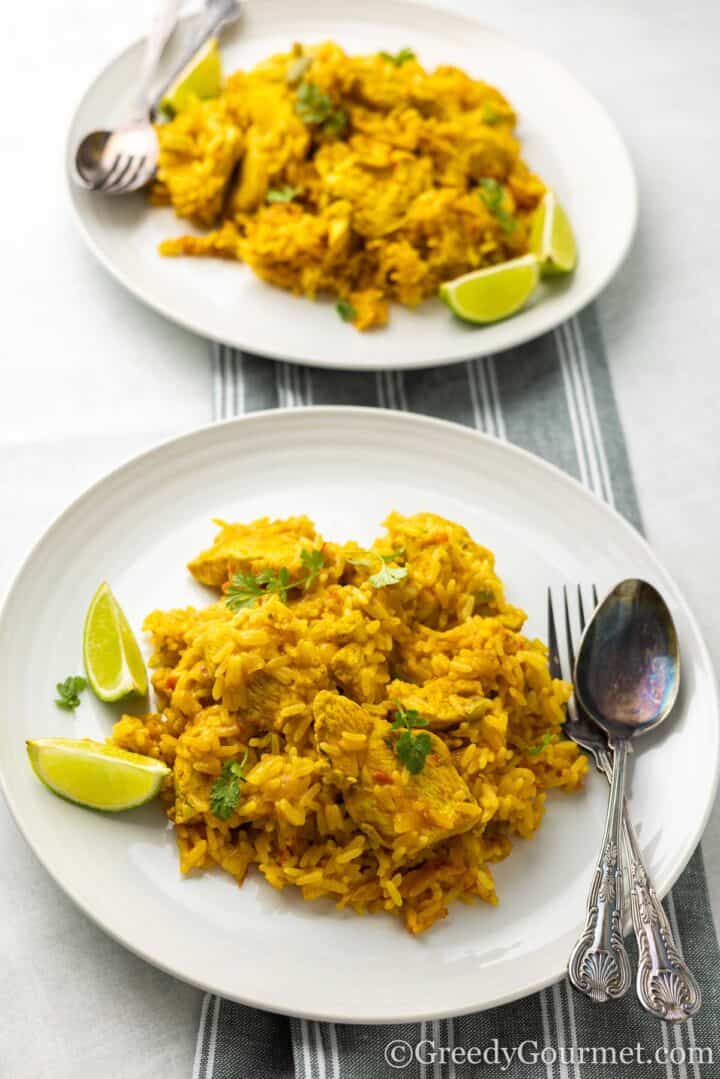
column 665, row 986
column 599, row 965
column 163, row 24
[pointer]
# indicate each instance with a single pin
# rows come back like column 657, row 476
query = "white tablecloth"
column 89, row 377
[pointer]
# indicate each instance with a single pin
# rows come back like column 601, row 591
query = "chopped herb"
column 244, row 588
column 313, row 563
column 535, row 751
column 411, row 748
column 399, row 58
column 345, row 310
column 387, row 575
column 490, row 114
column 225, row 793
column 492, row 193
column 313, row 106
column 69, row 692
column 283, row 194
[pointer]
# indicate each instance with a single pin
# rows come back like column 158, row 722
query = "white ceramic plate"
column 567, row 137
column 347, row 468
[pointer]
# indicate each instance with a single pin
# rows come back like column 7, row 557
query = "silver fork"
column 665, row 986
column 124, row 160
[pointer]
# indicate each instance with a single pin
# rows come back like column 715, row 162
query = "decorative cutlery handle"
column 665, row 986
column 215, row 15
column 161, row 30
column 599, row 965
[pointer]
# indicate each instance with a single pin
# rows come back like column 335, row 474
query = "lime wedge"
column 551, row 237
column 94, row 774
column 112, row 657
column 202, row 78
column 494, row 293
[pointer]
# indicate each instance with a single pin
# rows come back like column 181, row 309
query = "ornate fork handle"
column 665, row 985
column 599, row 965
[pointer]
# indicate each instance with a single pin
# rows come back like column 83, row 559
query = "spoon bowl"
column 627, row 673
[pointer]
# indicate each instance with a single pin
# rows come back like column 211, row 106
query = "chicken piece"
column 409, row 814
column 443, row 702
column 250, row 548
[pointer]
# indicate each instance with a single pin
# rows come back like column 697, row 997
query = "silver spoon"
column 627, row 676
column 117, row 162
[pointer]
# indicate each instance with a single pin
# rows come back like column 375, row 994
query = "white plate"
column 567, row 137
column 347, row 468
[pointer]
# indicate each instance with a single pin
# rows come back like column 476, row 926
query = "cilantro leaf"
column 492, row 194
column 345, row 310
column 387, row 575
column 244, row 588
column 313, row 106
column 69, row 692
column 410, row 748
column 399, row 58
column 242, row 591
column 313, row 563
column 225, row 792
column 286, row 193
column 535, row 751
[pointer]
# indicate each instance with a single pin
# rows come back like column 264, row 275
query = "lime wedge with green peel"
column 488, row 295
column 112, row 657
column 94, row 774
column 551, row 237
column 202, row 78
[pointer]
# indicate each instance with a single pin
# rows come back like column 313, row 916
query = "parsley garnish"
column 411, row 748
column 490, row 115
column 399, row 58
column 244, row 588
column 225, row 793
column 492, row 194
column 345, row 310
column 387, row 575
column 535, row 751
column 283, row 194
column 69, row 692
column 313, row 106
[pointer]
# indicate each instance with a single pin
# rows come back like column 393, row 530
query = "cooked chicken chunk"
column 407, row 813
column 250, row 548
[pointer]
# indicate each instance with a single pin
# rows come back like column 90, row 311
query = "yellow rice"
column 306, row 687
column 387, row 208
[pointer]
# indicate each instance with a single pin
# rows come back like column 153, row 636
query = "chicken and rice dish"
column 369, row 726
column 367, row 178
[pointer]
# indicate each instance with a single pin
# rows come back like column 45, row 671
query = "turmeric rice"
column 367, row 725
column 368, row 178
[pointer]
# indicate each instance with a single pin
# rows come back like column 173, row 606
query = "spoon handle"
column 163, row 24
column 215, row 14
column 665, row 986
column 599, row 965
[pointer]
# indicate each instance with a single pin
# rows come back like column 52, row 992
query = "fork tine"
column 112, row 185
column 130, row 180
column 101, row 183
column 596, row 601
column 554, row 654
column 568, row 633
column 581, row 609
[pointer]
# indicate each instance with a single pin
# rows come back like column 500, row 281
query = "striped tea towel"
column 552, row 396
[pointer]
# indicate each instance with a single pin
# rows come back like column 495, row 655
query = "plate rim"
column 392, row 417
column 459, row 355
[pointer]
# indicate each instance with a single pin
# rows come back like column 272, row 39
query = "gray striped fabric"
column 553, row 397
